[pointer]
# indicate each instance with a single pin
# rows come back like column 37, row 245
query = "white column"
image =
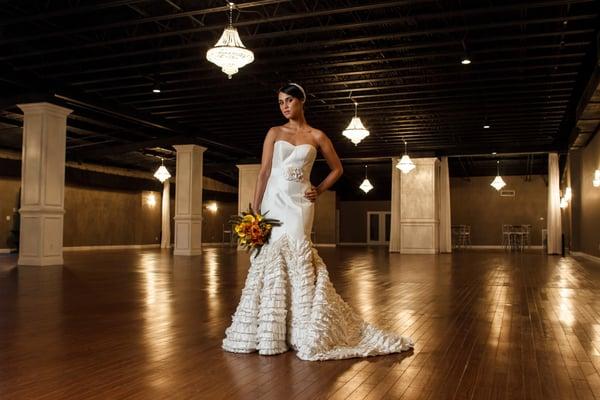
column 165, row 241
column 188, row 200
column 445, row 209
column 419, row 208
column 554, row 218
column 42, row 184
column 395, row 208
column 248, row 174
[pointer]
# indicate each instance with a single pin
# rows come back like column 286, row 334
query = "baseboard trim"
column 362, row 244
column 586, row 256
column 113, row 247
column 324, row 244
column 7, row 251
column 495, row 247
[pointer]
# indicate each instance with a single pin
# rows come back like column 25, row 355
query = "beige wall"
column 9, row 200
column 586, row 199
column 100, row 216
column 95, row 217
column 353, row 219
column 214, row 223
column 474, row 202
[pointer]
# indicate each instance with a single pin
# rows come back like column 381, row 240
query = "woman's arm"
column 265, row 169
column 334, row 163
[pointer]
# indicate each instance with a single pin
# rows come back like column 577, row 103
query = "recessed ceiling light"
column 486, row 126
column 494, row 153
column 465, row 61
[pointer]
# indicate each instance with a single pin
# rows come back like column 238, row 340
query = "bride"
column 288, row 299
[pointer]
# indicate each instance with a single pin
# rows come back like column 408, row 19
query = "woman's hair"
column 294, row 90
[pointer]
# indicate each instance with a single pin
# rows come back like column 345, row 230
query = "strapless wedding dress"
column 288, row 299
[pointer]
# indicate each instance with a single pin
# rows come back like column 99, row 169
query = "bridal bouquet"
column 253, row 229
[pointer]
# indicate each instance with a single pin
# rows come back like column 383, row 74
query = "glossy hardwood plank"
column 146, row 324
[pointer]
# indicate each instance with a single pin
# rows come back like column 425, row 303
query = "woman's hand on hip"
column 312, row 194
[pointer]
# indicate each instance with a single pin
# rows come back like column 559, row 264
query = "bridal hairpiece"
column 301, row 89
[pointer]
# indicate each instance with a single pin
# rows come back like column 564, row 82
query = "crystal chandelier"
column 356, row 131
column 498, row 183
column 229, row 52
column 405, row 164
column 366, row 186
column 162, row 174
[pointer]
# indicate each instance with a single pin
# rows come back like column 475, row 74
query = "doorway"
column 378, row 227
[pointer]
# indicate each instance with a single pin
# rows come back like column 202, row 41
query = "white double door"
column 378, row 227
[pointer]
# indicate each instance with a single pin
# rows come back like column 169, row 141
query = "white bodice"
column 284, row 195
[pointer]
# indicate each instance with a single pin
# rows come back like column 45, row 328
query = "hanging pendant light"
column 229, row 52
column 366, row 186
column 355, row 131
column 405, row 164
column 162, row 174
column 498, row 183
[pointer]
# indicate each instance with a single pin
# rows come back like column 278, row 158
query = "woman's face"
column 290, row 106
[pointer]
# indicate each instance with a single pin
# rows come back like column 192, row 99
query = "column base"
column 188, row 236
column 186, row 252
column 419, row 237
column 40, row 261
column 41, row 236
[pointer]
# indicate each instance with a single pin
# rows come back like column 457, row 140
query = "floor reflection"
column 146, row 324
column 212, row 270
column 158, row 318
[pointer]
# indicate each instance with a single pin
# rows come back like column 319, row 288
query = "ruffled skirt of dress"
column 289, row 301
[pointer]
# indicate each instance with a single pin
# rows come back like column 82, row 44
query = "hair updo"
column 294, row 90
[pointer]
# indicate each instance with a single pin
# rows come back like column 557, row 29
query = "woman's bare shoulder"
column 318, row 135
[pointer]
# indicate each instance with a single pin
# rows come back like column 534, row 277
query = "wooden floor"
column 147, row 325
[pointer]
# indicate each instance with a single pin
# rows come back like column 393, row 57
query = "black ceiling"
column 399, row 59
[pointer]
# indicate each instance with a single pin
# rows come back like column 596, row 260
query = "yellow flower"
column 249, row 218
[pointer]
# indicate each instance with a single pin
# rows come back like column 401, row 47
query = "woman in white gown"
column 288, row 299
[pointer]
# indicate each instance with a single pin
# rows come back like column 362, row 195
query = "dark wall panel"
column 474, row 202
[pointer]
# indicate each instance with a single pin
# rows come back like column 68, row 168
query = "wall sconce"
column 212, row 207
column 596, row 181
column 566, row 198
column 564, row 203
column 568, row 194
column 151, row 199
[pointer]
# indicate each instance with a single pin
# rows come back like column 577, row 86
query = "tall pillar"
column 248, row 174
column 165, row 237
column 188, row 200
column 42, row 184
column 554, row 218
column 445, row 212
column 395, row 208
column 419, row 220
